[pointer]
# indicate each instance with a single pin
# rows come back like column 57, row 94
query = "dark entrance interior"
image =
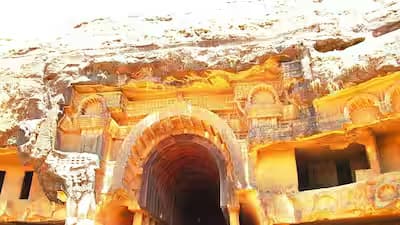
column 181, row 182
column 247, row 215
column 327, row 168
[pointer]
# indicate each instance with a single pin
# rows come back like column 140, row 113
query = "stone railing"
column 260, row 134
column 369, row 197
column 366, row 197
column 306, row 126
column 330, row 123
column 292, row 129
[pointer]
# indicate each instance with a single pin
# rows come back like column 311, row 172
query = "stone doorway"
column 184, row 182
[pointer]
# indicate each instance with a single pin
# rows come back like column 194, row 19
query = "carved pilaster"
column 252, row 157
column 372, row 152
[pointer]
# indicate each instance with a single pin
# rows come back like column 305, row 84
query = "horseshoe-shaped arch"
column 179, row 119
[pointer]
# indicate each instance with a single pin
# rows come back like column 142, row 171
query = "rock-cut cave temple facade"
column 266, row 143
column 228, row 149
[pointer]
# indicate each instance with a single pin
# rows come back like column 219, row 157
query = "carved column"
column 107, row 149
column 80, row 211
column 372, row 152
column 78, row 172
column 367, row 138
column 252, row 157
column 104, row 177
column 233, row 215
column 71, row 208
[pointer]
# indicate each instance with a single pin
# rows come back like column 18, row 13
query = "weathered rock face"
column 73, row 173
column 332, row 44
column 341, row 46
column 232, row 37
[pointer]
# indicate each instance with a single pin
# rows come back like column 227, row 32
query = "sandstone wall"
column 276, row 171
column 37, row 207
column 389, row 152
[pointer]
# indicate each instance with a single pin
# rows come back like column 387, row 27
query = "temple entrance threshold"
column 184, row 182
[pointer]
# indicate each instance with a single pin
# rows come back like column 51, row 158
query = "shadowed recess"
column 182, row 181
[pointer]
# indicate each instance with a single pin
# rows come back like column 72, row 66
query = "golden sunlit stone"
column 156, row 142
column 250, row 138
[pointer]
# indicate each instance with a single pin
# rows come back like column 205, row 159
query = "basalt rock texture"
column 346, row 44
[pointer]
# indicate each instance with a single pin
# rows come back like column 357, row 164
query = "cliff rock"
column 350, row 42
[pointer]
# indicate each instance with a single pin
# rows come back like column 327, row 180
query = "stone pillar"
column 138, row 218
column 372, row 153
column 233, row 215
column 107, row 147
column 79, row 177
column 252, row 163
column 107, row 171
column 71, row 212
column 87, row 208
column 248, row 167
column 80, row 212
column 367, row 138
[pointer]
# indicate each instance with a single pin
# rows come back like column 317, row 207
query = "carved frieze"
column 365, row 198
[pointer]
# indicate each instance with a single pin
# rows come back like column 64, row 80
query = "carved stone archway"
column 93, row 101
column 204, row 127
column 267, row 92
column 367, row 105
column 186, row 169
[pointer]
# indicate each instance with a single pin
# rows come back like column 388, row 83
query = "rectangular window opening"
column 2, row 177
column 26, row 185
column 328, row 168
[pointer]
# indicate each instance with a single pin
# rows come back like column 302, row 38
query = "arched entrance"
column 183, row 159
column 183, row 182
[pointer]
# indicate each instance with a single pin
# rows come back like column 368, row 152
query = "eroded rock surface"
column 232, row 37
column 335, row 44
column 344, row 45
column 68, row 172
